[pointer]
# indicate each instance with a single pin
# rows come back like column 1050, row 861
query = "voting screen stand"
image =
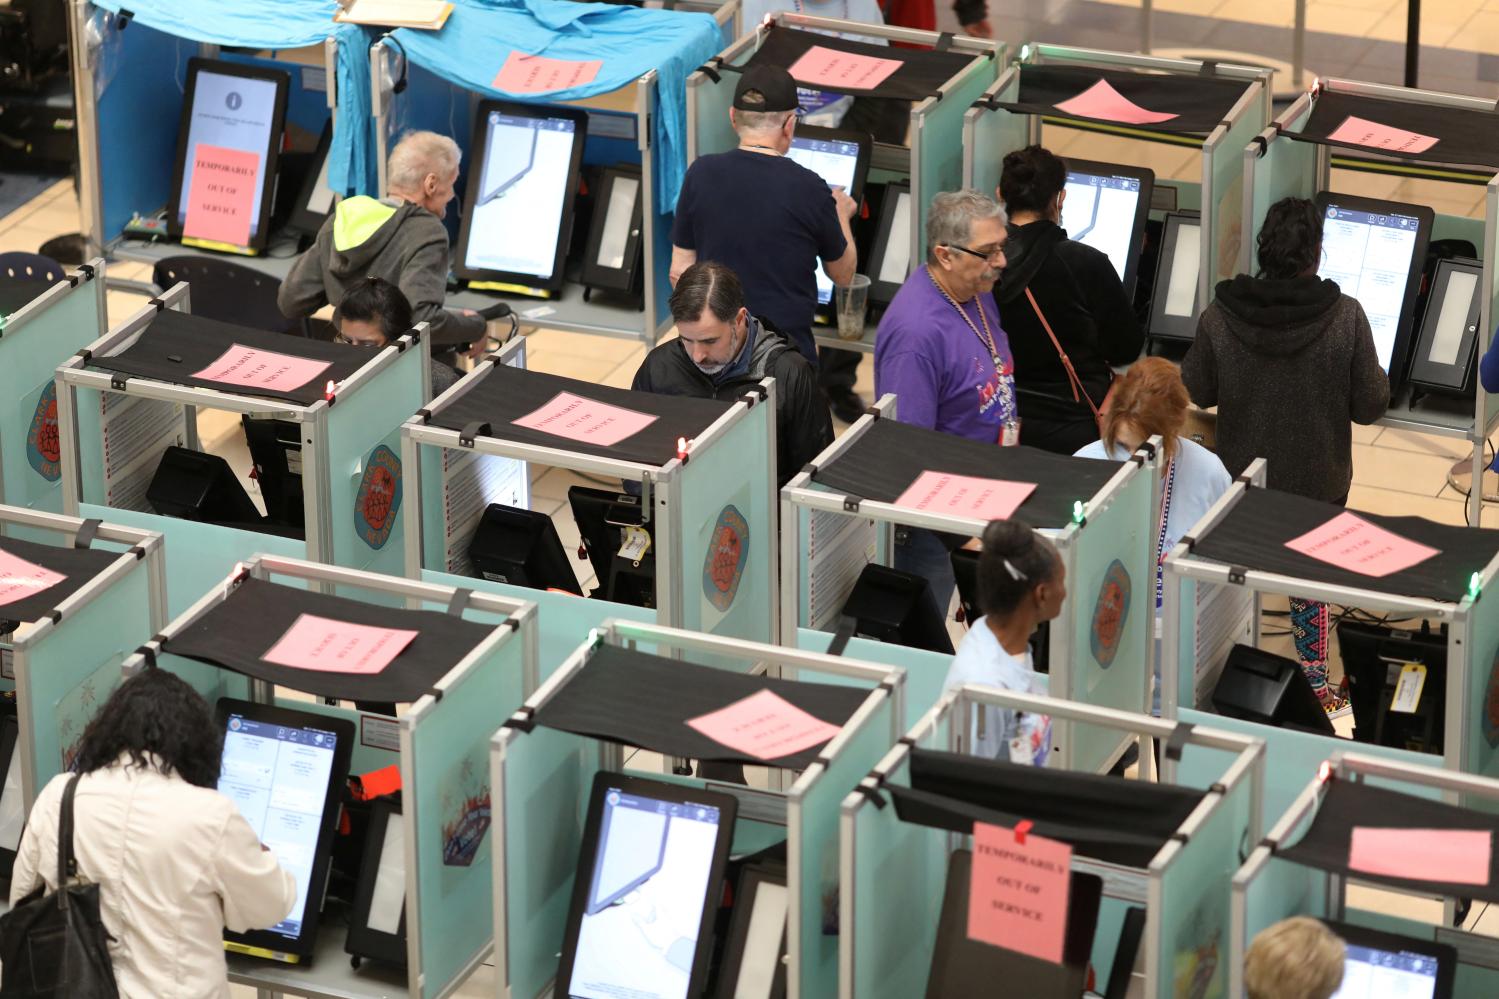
column 1100, row 644
column 933, row 161
column 1269, row 888
column 34, row 340
column 1292, row 158
column 1211, row 605
column 64, row 664
column 541, row 777
column 113, row 430
column 439, row 742
column 893, row 869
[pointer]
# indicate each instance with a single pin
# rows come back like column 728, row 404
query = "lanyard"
column 986, row 338
column 1160, row 548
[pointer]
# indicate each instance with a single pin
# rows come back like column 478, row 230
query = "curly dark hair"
column 1013, row 562
column 1031, row 179
column 1290, row 241
column 155, row 713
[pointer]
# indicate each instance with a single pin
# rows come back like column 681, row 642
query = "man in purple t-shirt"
column 941, row 350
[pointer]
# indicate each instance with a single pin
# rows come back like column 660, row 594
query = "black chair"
column 22, row 266
column 227, row 292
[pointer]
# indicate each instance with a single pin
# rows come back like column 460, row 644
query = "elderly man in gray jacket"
column 399, row 238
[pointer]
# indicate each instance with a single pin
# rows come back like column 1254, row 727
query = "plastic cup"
column 851, row 304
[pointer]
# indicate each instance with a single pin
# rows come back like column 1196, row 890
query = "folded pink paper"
column 1017, row 895
column 250, row 367
column 1451, row 856
column 587, row 420
column 1103, row 102
column 764, row 725
column 321, row 643
column 965, row 495
column 1362, row 132
column 1350, row 542
column 821, row 66
column 534, row 74
column 20, row 579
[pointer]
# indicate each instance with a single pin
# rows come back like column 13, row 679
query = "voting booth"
column 587, row 99
column 1213, row 106
column 1432, row 319
column 1256, row 542
column 266, row 648
column 841, row 513
column 939, row 75
column 819, row 727
column 76, row 597
column 321, row 420
column 156, row 96
column 40, row 325
column 932, row 812
column 1364, row 822
column 686, row 540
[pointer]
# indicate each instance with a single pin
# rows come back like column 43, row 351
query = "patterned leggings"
column 1311, row 625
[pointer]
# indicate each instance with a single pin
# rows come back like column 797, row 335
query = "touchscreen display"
column 517, row 213
column 650, row 873
column 278, row 776
column 1372, row 973
column 1369, row 255
column 1100, row 210
column 231, row 112
column 835, row 161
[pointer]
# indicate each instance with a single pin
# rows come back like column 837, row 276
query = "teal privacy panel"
column 1481, row 755
column 46, row 333
column 198, row 555
column 63, row 679
column 563, row 620
column 1194, row 914
column 900, row 872
column 364, row 467
column 207, row 679
column 995, row 134
column 1283, row 889
column 446, row 777
column 1287, row 169
column 925, row 671
column 1225, row 167
column 814, row 882
column 1112, row 592
column 728, row 531
column 940, row 166
column 544, row 780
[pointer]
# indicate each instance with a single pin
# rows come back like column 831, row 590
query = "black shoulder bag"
column 55, row 946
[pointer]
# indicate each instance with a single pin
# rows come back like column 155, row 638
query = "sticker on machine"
column 379, row 498
column 42, row 450
column 728, row 551
column 1110, row 611
column 465, row 811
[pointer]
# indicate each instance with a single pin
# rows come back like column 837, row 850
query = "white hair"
column 418, row 154
column 950, row 219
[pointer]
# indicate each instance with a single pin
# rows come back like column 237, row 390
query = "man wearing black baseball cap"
column 766, row 217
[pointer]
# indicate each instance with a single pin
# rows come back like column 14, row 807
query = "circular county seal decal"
column 727, row 552
column 41, row 440
column 1109, row 613
column 1491, row 704
column 379, row 497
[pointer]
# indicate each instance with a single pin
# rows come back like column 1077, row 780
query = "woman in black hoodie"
column 1289, row 361
column 1077, row 290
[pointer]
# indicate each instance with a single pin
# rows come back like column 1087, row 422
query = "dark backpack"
column 55, row 946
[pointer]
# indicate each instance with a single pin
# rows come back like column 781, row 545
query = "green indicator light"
column 1077, row 511
column 1475, row 583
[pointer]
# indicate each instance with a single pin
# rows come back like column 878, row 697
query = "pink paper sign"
column 586, row 420
column 20, row 579
column 965, row 496
column 221, row 197
column 534, row 74
column 1017, row 898
column 1350, row 542
column 1363, row 132
column 1102, row 101
column 331, row 646
column 825, row 67
column 1453, row 856
column 249, row 367
column 765, row 726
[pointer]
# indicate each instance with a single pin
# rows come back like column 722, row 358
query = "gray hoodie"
column 399, row 241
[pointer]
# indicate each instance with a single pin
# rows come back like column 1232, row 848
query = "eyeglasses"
column 350, row 341
column 993, row 253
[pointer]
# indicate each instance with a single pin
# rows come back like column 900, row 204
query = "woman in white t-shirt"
column 1021, row 582
column 1151, row 400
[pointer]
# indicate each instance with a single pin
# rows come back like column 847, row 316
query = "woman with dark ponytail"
column 1064, row 307
column 1021, row 583
column 1289, row 360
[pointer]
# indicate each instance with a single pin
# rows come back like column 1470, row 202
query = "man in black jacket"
column 721, row 351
